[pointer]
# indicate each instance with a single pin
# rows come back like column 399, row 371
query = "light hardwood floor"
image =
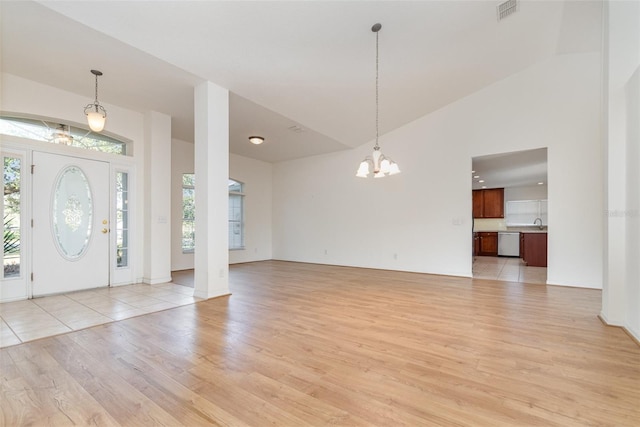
column 300, row 344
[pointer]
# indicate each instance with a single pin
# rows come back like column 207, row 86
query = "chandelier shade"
column 96, row 114
column 378, row 163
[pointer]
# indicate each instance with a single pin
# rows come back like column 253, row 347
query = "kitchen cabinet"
column 476, row 244
column 477, row 203
column 487, row 243
column 488, row 203
column 534, row 249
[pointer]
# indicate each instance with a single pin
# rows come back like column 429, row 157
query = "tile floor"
column 507, row 269
column 28, row 320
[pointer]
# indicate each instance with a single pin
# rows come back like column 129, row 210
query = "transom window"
column 60, row 133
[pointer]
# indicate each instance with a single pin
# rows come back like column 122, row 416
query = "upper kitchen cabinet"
column 488, row 203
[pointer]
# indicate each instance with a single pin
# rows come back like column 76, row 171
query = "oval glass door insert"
column 72, row 213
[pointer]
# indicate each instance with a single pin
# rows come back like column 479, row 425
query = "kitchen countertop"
column 514, row 230
column 528, row 230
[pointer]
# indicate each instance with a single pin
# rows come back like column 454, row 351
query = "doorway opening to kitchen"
column 510, row 216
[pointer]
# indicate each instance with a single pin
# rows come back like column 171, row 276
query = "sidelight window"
column 188, row 213
column 12, row 172
column 122, row 219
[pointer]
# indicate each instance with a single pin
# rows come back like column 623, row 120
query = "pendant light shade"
column 380, row 164
column 96, row 114
column 96, row 120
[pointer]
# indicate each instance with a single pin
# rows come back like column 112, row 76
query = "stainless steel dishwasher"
column 508, row 243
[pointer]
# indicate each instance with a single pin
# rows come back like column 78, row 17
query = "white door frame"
column 25, row 148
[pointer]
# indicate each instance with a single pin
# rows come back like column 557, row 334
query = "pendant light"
column 96, row 114
column 380, row 164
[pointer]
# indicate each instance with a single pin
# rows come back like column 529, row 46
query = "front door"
column 70, row 224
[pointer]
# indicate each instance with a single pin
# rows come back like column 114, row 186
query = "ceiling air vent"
column 507, row 8
column 296, row 129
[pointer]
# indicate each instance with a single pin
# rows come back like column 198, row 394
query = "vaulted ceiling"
column 301, row 73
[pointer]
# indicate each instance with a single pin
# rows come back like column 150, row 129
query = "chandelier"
column 96, row 114
column 61, row 135
column 380, row 164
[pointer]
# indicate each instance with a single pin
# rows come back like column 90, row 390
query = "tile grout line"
column 11, row 329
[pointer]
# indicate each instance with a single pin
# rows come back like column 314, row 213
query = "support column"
column 212, row 190
column 157, row 198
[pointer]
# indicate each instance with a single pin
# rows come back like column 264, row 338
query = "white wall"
column 157, row 198
column 529, row 192
column 632, row 291
column 420, row 220
column 621, row 136
column 256, row 176
column 181, row 162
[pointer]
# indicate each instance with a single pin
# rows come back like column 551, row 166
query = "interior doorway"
column 510, row 216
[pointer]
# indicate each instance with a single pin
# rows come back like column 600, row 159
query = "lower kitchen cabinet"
column 487, row 243
column 476, row 244
column 534, row 249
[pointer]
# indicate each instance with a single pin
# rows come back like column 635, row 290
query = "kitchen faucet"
column 535, row 222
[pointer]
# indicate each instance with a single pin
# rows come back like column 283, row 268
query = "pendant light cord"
column 377, row 147
column 96, row 89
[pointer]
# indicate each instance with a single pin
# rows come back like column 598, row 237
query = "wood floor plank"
column 153, row 380
column 45, row 394
column 117, row 396
column 302, row 344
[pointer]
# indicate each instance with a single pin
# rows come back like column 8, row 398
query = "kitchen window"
column 525, row 212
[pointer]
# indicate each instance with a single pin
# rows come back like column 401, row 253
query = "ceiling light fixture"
column 61, row 136
column 381, row 164
column 96, row 114
column 257, row 140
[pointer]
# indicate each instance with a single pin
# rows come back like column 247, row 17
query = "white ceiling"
column 293, row 63
column 516, row 169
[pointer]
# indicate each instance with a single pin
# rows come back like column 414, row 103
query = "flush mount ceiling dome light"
column 380, row 164
column 96, row 114
column 257, row 140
